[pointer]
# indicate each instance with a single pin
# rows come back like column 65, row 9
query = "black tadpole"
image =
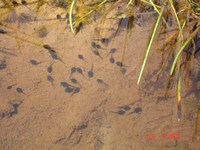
column 90, row 72
column 10, row 86
column 76, row 91
column 79, row 70
column 3, row 31
column 96, row 52
column 50, row 68
column 120, row 112
column 19, row 90
column 125, row 107
column 96, row 46
column 34, row 62
column 137, row 110
column 73, row 80
column 100, row 81
column 73, row 70
column 82, row 58
column 15, row 3
column 105, row 40
column 112, row 60
column 55, row 56
column 120, row 64
column 69, row 90
column 112, row 51
column 50, row 79
column 49, row 48
column 123, row 70
column 23, row 2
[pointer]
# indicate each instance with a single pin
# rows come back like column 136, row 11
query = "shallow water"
column 57, row 108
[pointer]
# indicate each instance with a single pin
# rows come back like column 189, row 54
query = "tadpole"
column 19, row 90
column 73, row 70
column 120, row 112
column 34, row 62
column 50, row 68
column 50, row 79
column 69, row 90
column 15, row 3
column 123, row 70
column 76, row 91
column 112, row 51
column 79, row 70
column 137, row 110
column 125, row 107
column 120, row 64
column 55, row 56
column 96, row 46
column 105, row 40
column 10, row 86
column 93, row 44
column 73, row 80
column 3, row 31
column 82, row 58
column 112, row 60
column 23, row 2
column 3, row 64
column 96, row 52
column 65, row 84
column 90, row 72
column 100, row 81
column 49, row 48
column 79, row 27
column 58, row 16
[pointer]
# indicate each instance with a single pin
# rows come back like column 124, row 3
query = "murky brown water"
column 83, row 98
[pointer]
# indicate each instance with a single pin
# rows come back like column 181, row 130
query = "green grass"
column 150, row 45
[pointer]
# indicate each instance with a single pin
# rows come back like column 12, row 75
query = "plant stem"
column 150, row 44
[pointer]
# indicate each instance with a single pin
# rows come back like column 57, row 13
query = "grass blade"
column 70, row 15
column 177, row 19
column 182, row 48
column 179, row 97
column 150, row 44
column 130, row 1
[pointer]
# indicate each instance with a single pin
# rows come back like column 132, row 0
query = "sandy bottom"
column 45, row 106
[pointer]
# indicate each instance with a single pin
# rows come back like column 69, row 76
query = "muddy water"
column 84, row 98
